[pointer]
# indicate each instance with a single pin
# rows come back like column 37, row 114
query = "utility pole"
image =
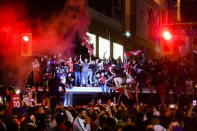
column 179, row 10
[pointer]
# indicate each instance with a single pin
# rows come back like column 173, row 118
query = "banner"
column 148, row 20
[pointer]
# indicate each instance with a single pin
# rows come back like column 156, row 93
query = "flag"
column 133, row 53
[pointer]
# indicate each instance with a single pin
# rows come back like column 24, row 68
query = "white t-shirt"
column 158, row 128
column 78, row 125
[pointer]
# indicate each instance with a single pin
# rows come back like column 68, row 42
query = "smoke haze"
column 52, row 33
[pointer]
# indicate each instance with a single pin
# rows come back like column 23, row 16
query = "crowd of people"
column 24, row 111
column 74, row 71
column 55, row 74
column 162, row 74
column 98, row 116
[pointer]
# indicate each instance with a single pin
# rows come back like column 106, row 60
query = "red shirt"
column 70, row 65
column 15, row 101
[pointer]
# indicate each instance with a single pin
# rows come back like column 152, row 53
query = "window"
column 92, row 40
column 104, row 48
column 117, row 51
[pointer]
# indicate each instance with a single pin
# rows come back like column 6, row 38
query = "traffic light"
column 172, row 37
column 26, row 38
column 167, row 35
column 26, row 44
column 167, row 42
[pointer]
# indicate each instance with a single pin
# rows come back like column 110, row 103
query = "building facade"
column 106, row 29
column 111, row 19
column 146, row 17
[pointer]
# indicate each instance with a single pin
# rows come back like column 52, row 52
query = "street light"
column 127, row 34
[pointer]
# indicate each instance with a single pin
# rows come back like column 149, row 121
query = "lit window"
column 92, row 40
column 104, row 48
column 117, row 51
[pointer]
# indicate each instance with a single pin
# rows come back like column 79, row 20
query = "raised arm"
column 123, row 106
column 80, row 60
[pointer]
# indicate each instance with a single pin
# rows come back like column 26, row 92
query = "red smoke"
column 56, row 35
column 52, row 36
column 13, row 21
